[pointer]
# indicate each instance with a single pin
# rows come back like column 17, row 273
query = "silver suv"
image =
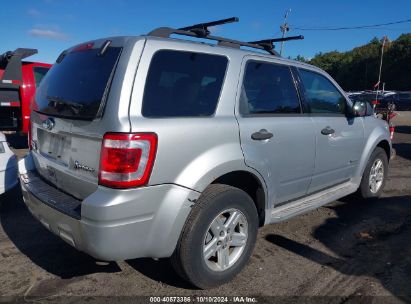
column 157, row 147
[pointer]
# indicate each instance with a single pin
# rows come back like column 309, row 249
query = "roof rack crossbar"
column 271, row 41
column 201, row 29
column 268, row 44
column 166, row 32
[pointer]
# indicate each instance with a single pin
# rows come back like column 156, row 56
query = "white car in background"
column 8, row 166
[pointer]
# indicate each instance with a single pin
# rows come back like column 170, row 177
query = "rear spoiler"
column 11, row 63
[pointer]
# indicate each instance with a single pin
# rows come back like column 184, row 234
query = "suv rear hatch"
column 68, row 121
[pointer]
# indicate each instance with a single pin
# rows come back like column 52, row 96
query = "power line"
column 326, row 28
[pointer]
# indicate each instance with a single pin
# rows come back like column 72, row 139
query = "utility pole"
column 284, row 28
column 384, row 40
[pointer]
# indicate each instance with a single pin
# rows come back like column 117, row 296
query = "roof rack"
column 201, row 30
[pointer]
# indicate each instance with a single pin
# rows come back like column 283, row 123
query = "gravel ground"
column 348, row 251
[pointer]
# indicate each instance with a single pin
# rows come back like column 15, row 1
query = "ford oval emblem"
column 48, row 123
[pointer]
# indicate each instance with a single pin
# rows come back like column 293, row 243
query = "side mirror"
column 359, row 109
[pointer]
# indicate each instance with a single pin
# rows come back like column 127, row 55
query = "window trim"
column 300, row 89
column 184, row 117
column 244, row 69
column 306, row 103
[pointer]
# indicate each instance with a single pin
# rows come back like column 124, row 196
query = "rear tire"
column 218, row 237
column 375, row 174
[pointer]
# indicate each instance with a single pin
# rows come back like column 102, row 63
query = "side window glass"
column 268, row 89
column 321, row 95
column 183, row 84
column 39, row 73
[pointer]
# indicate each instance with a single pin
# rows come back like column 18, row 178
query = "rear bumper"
column 115, row 224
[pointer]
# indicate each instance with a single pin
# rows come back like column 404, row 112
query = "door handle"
column 263, row 134
column 327, row 131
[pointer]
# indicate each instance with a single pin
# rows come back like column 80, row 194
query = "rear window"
column 183, row 84
column 77, row 83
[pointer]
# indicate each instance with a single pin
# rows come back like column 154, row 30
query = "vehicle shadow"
column 369, row 239
column 41, row 246
column 160, row 271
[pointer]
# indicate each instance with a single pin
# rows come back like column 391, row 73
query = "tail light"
column 392, row 129
column 83, row 47
column 127, row 159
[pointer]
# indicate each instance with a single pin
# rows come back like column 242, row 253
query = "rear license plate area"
column 54, row 146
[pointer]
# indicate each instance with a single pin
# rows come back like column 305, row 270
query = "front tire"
column 375, row 174
column 218, row 237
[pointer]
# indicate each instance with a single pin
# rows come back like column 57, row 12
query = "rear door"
column 277, row 139
column 339, row 137
column 79, row 100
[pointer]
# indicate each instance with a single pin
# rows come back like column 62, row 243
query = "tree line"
column 358, row 68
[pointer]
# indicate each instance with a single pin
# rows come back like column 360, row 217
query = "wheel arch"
column 386, row 146
column 250, row 183
column 376, row 139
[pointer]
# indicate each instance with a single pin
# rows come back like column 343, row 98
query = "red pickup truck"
column 18, row 82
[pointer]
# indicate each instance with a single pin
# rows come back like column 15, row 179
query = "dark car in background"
column 402, row 100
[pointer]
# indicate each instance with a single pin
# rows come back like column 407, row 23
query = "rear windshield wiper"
column 60, row 104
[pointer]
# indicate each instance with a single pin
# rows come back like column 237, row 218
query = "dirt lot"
column 344, row 252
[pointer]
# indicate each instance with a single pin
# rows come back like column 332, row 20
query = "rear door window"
column 268, row 89
column 77, row 83
column 183, row 84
